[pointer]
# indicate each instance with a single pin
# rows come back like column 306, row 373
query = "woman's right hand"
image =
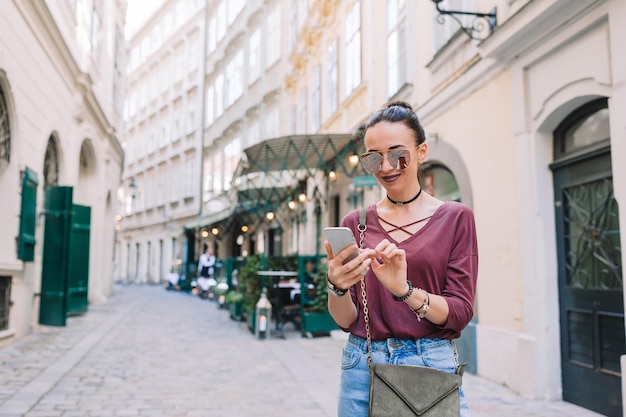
column 345, row 276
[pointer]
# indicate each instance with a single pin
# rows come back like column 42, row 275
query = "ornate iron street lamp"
column 478, row 25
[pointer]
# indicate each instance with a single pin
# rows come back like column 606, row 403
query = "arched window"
column 439, row 182
column 5, row 129
column 587, row 126
column 51, row 164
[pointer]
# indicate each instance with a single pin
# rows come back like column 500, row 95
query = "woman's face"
column 385, row 136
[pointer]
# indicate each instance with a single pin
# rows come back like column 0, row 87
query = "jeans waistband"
column 390, row 344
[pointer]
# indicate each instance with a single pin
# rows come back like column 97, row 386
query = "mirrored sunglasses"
column 372, row 162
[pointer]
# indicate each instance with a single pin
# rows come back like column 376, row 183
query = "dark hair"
column 399, row 111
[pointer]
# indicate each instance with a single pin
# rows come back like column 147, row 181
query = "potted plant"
column 250, row 287
column 234, row 300
column 315, row 316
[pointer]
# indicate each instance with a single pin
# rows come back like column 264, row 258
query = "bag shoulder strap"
column 362, row 217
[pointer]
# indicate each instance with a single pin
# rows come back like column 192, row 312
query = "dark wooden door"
column 590, row 282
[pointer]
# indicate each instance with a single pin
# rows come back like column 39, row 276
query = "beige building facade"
column 535, row 116
column 60, row 112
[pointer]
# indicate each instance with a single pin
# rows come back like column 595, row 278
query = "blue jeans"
column 355, row 374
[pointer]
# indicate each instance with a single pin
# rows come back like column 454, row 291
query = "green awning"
column 301, row 152
column 270, row 173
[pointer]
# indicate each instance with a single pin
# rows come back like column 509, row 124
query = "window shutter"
column 28, row 217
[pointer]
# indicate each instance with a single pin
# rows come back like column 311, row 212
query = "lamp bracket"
column 478, row 25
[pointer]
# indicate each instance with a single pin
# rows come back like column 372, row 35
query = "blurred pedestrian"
column 206, row 269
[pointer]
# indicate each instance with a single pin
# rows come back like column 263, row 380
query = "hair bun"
column 399, row 103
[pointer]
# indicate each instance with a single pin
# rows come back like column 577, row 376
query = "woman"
column 421, row 259
column 206, row 267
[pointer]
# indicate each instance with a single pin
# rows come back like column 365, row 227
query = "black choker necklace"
column 401, row 203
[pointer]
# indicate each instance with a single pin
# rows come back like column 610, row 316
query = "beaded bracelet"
column 405, row 296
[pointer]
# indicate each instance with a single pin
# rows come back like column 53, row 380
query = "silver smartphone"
column 339, row 239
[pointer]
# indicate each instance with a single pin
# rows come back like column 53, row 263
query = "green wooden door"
column 53, row 304
column 78, row 262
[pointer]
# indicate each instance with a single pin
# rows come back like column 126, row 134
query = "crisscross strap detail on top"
column 402, row 228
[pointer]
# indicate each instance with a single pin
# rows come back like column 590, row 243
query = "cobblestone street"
column 151, row 352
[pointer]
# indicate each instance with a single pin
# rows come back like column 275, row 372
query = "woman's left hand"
column 389, row 266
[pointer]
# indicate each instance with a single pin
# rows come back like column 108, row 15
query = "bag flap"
column 420, row 387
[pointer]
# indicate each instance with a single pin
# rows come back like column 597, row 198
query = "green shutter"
column 28, row 217
column 78, row 265
column 56, row 243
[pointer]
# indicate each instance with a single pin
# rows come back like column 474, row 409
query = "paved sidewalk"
column 151, row 352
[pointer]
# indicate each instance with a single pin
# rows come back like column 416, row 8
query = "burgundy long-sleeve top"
column 442, row 258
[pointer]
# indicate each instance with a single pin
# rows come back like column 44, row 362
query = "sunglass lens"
column 372, row 162
column 399, row 159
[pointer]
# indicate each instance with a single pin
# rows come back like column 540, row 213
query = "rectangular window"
column 194, row 59
column 254, row 57
column 353, row 48
column 396, row 45
column 212, row 41
column 210, row 106
column 208, row 177
column 140, row 199
column 218, row 172
column 273, row 37
column 302, row 115
column 149, row 185
column 315, row 99
column 175, row 185
column 293, row 24
column 178, row 66
column 303, row 6
column 254, row 135
column 442, row 32
column 191, row 122
column 5, row 302
column 180, row 14
column 221, row 20
column 190, row 177
column 219, row 95
column 272, row 123
column 175, row 130
column 234, row 8
column 165, row 134
column 95, row 34
column 332, row 81
column 232, row 154
column 168, row 25
column 293, row 119
column 234, row 79
column 162, row 177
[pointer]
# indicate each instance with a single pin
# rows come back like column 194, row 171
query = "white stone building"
column 61, row 69
column 162, row 141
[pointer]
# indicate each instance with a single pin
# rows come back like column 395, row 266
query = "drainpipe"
column 203, row 105
column 190, row 241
